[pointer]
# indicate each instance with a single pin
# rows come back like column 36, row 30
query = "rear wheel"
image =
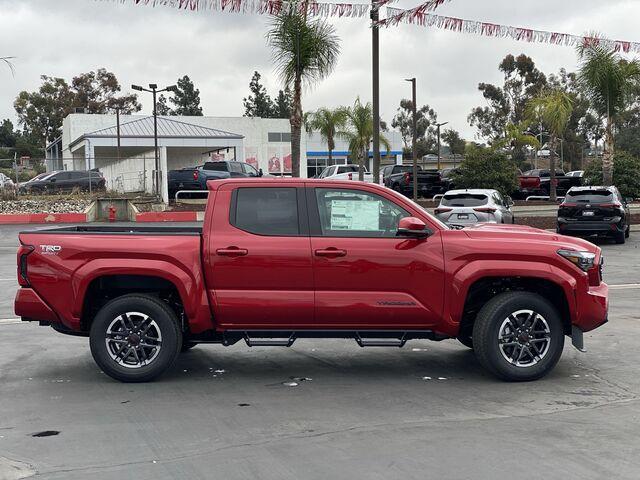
column 620, row 237
column 518, row 336
column 135, row 338
column 627, row 232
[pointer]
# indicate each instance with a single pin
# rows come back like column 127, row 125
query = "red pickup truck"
column 281, row 259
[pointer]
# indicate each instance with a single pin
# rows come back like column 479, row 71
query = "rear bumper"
column 592, row 307
column 31, row 307
column 599, row 227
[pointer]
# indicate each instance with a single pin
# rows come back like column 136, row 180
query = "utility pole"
column 375, row 62
column 153, row 89
column 414, row 141
column 118, row 129
column 439, row 125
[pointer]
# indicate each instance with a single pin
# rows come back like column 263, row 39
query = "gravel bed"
column 44, row 206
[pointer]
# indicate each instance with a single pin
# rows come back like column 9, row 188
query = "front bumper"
column 31, row 307
column 592, row 307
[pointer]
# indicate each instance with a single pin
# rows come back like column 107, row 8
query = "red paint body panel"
column 281, row 282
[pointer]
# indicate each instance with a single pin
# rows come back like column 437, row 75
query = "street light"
column 439, row 125
column 414, row 149
column 153, row 88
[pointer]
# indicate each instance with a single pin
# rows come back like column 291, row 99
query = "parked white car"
column 344, row 172
column 6, row 182
column 467, row 207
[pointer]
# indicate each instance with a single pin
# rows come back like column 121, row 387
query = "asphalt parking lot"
column 322, row 409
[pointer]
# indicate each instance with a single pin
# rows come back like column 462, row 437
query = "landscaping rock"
column 44, row 206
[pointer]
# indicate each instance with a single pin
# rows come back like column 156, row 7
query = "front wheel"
column 135, row 338
column 518, row 336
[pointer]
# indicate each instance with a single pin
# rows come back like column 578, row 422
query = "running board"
column 381, row 342
column 269, row 342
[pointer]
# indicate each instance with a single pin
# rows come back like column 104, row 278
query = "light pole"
column 414, row 149
column 375, row 63
column 439, row 125
column 153, row 88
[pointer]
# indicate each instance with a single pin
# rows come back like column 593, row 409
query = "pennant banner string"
column 421, row 18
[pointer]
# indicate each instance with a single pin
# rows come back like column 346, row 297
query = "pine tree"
column 186, row 99
column 259, row 103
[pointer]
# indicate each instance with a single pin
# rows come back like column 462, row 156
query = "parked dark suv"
column 594, row 211
column 64, row 181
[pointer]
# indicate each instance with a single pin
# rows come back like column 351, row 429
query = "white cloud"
column 221, row 51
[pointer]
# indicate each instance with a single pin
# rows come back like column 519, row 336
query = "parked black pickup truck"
column 400, row 179
column 195, row 178
column 538, row 182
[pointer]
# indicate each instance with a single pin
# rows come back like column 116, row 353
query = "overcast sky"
column 220, row 51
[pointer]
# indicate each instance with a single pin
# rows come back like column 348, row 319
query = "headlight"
column 583, row 260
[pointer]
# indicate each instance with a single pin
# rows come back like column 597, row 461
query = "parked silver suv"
column 466, row 207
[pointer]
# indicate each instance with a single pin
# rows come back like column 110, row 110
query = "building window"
column 316, row 165
column 277, row 137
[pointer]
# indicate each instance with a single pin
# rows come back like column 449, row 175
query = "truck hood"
column 525, row 233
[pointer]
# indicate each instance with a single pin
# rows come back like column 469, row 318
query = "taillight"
column 438, row 211
column 23, row 253
column 195, row 174
column 565, row 204
column 407, row 178
column 485, row 210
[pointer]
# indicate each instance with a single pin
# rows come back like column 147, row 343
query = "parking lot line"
column 625, row 286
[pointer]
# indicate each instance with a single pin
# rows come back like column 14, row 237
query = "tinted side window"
column 266, row 211
column 249, row 170
column 354, row 213
column 235, row 167
column 215, row 166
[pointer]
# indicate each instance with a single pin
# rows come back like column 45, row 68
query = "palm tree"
column 516, row 137
column 553, row 108
column 359, row 133
column 305, row 52
column 327, row 122
column 607, row 80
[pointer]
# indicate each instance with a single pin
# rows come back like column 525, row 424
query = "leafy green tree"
column 7, row 135
column 553, row 109
column 41, row 113
column 282, row 104
column 626, row 174
column 454, row 141
column 328, row 123
column 426, row 119
column 506, row 103
column 358, row 132
column 162, row 107
column 98, row 92
column 186, row 98
column 607, row 80
column 516, row 138
column 305, row 52
column 259, row 103
column 486, row 168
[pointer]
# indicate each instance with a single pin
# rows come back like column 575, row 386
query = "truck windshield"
column 464, row 200
column 589, row 196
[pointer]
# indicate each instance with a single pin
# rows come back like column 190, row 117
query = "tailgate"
column 529, row 181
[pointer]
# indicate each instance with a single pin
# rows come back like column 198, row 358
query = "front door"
column 258, row 261
column 366, row 276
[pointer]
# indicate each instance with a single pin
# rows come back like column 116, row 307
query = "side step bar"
column 269, row 342
column 381, row 342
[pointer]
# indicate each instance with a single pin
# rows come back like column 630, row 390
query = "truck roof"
column 215, row 184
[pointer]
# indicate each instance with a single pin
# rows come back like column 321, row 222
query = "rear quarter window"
column 464, row 200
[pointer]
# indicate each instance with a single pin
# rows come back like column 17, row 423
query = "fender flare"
column 463, row 279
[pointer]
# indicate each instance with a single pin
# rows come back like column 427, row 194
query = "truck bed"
column 120, row 230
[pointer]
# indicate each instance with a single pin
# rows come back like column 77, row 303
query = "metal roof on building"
column 167, row 128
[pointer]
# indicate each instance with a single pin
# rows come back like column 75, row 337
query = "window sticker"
column 359, row 215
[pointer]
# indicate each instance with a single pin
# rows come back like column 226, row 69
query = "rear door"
column 365, row 276
column 258, row 261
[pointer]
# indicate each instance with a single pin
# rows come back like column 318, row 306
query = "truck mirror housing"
column 413, row 227
column 260, row 173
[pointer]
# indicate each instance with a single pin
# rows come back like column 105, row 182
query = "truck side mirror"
column 510, row 202
column 260, row 173
column 412, row 227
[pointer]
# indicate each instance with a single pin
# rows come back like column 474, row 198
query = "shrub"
column 486, row 168
column 626, row 174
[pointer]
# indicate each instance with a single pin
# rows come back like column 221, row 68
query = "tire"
column 140, row 363
column 500, row 316
column 627, row 232
column 620, row 237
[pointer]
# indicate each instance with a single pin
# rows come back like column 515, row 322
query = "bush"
column 626, row 174
column 486, row 168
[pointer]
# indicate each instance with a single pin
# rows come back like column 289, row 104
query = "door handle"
column 330, row 252
column 232, row 252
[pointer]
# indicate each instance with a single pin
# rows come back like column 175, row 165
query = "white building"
column 91, row 142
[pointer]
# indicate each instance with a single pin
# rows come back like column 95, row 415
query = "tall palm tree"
column 607, row 79
column 327, row 122
column 553, row 108
column 359, row 133
column 305, row 52
column 516, row 137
